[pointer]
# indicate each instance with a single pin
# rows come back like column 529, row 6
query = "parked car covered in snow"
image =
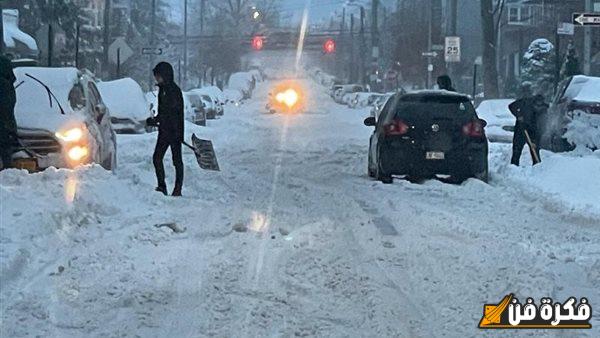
column 62, row 120
column 214, row 98
column 500, row 121
column 194, row 108
column 339, row 94
column 127, row 104
column 574, row 115
column 233, row 96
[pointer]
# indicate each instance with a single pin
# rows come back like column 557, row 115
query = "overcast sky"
column 292, row 9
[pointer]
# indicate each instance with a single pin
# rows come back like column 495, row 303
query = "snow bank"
column 124, row 99
column 566, row 179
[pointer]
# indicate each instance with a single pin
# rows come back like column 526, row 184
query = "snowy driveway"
column 290, row 239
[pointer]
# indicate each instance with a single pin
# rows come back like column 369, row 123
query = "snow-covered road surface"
column 291, row 238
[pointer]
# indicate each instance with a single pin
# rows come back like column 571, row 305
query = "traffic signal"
column 258, row 42
column 329, row 46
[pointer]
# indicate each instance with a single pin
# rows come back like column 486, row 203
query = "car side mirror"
column 562, row 100
column 483, row 123
column 100, row 110
column 370, row 121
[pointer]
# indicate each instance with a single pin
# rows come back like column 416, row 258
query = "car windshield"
column 300, row 168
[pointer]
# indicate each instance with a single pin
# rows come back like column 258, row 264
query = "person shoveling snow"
column 170, row 127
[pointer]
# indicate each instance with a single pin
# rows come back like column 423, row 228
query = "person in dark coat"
column 8, row 124
column 445, row 83
column 527, row 110
column 170, row 127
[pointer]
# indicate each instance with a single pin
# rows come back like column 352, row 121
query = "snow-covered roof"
column 33, row 109
column 124, row 99
column 12, row 33
column 211, row 91
column 437, row 92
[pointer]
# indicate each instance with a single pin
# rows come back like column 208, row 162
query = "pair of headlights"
column 76, row 151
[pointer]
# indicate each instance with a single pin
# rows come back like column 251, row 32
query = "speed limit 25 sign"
column 452, row 49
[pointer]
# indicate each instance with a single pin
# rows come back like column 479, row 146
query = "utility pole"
column 77, row 33
column 587, row 42
column 185, row 49
column 351, row 64
column 374, row 40
column 202, row 10
column 362, row 51
column 51, row 33
column 106, row 41
column 152, row 41
column 429, row 43
column 341, row 45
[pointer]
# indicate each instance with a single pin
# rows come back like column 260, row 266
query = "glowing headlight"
column 291, row 97
column 77, row 153
column 280, row 97
column 71, row 135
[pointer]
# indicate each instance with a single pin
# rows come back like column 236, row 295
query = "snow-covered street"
column 291, row 238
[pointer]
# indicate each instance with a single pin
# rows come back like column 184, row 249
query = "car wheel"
column 383, row 177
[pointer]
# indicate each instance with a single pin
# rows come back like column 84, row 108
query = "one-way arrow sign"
column 152, row 51
column 586, row 19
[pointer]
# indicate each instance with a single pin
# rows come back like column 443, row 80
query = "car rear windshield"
column 435, row 107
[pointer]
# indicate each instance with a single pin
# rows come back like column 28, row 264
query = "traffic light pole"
column 185, row 43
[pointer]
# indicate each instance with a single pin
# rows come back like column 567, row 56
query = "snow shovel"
column 205, row 153
column 532, row 148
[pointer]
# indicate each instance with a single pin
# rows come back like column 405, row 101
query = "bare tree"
column 490, row 71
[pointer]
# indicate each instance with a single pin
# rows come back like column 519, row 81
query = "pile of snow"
column 34, row 108
column 124, row 99
column 562, row 179
column 499, row 119
column 584, row 130
column 12, row 33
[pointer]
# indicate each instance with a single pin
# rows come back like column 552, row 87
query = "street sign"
column 565, row 28
column 586, row 19
column 152, row 51
column 119, row 51
column 452, row 49
column 430, row 68
column 437, row 47
column 430, row 54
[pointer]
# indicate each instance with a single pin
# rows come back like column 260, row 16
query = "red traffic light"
column 258, row 42
column 329, row 46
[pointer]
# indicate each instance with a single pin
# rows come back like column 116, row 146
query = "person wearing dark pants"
column 527, row 110
column 8, row 125
column 170, row 127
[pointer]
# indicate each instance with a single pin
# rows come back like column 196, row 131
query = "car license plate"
column 28, row 164
column 434, row 155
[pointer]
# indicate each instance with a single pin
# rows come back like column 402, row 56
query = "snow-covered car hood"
column 33, row 109
column 124, row 99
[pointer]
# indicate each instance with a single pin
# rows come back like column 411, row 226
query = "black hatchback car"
column 428, row 133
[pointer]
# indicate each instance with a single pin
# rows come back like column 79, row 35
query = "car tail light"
column 396, row 127
column 473, row 129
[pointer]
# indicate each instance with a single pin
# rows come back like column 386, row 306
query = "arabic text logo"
column 511, row 314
